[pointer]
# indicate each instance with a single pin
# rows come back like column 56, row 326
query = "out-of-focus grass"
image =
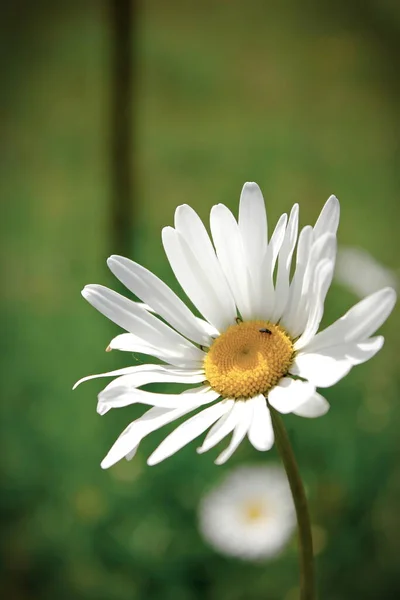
column 225, row 95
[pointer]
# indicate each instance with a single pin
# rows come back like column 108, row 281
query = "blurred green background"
column 302, row 98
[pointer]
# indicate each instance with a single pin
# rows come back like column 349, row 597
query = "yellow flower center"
column 248, row 359
column 254, row 510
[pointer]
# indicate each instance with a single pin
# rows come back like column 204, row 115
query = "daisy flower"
column 250, row 515
column 362, row 273
column 257, row 345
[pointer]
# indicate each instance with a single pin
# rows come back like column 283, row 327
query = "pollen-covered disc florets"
column 248, row 359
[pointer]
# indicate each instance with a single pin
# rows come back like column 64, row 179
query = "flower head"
column 250, row 515
column 257, row 345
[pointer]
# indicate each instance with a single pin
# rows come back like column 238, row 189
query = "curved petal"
column 209, row 329
column 324, row 248
column 138, row 321
column 320, row 251
column 127, row 444
column 188, row 431
column 119, row 392
column 289, row 317
column 205, row 286
column 323, row 279
column 117, row 398
column 128, row 342
column 124, row 371
column 193, row 231
column 261, row 433
column 316, row 406
column 239, row 433
column 328, row 220
column 284, row 264
column 289, row 394
column 225, row 425
column 265, row 296
column 145, row 374
column 253, row 222
column 230, row 252
column 253, row 229
column 361, row 321
column 363, row 351
column 149, row 288
column 326, row 367
column 321, row 370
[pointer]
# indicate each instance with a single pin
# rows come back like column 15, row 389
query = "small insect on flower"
column 257, row 345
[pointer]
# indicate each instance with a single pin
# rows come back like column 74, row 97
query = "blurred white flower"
column 361, row 273
column 250, row 515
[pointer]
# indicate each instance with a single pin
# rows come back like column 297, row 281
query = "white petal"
column 118, row 393
column 324, row 248
column 261, row 433
column 358, row 323
column 289, row 394
column 316, row 406
column 156, row 293
column 209, row 329
column 239, row 433
column 253, row 222
column 265, row 296
column 320, row 369
column 323, row 279
column 151, row 373
column 192, row 229
column 188, row 431
column 289, row 318
column 277, row 238
column 146, row 307
column 254, row 233
column 135, row 319
column 205, row 286
column 129, row 440
column 133, row 452
column 128, row 342
column 327, row 366
column 225, row 425
column 328, row 220
column 363, row 351
column 124, row 371
column 284, row 264
column 116, row 398
column 230, row 252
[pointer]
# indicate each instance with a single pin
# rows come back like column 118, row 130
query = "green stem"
column 307, row 579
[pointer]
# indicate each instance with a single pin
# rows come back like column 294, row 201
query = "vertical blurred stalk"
column 123, row 19
column 306, row 554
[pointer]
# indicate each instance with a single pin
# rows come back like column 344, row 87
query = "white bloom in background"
column 361, row 273
column 250, row 514
column 257, row 344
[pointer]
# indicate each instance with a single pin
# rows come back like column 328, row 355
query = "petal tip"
column 251, row 186
column 152, row 460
